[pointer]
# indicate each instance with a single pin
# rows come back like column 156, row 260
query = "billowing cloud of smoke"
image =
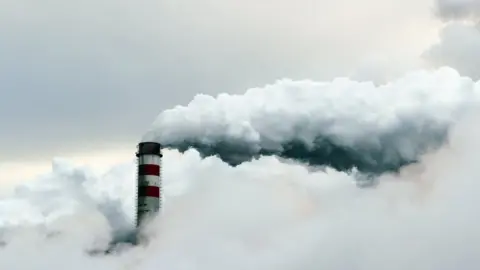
column 68, row 190
column 459, row 39
column 263, row 214
column 343, row 124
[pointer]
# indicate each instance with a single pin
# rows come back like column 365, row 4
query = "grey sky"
column 76, row 75
column 459, row 43
column 458, row 9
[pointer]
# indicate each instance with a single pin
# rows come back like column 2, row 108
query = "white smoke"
column 263, row 214
column 365, row 126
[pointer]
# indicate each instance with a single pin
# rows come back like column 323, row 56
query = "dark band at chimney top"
column 149, row 148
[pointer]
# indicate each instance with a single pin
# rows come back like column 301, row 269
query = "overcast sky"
column 90, row 75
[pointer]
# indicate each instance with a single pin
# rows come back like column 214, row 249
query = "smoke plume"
column 270, row 214
column 263, row 214
column 343, row 124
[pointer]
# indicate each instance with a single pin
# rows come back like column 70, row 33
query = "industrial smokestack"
column 149, row 157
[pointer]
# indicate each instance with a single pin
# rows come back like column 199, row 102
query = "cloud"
column 264, row 214
column 458, row 9
column 344, row 124
column 459, row 39
column 459, row 44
